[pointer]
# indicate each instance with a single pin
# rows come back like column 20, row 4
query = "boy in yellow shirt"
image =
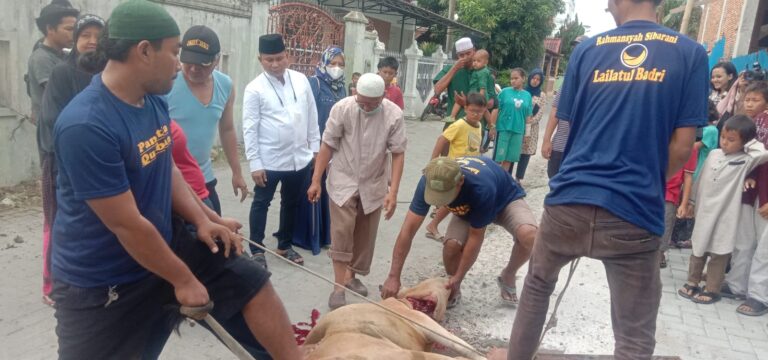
column 463, row 138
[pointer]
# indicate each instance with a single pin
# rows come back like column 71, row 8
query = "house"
column 743, row 24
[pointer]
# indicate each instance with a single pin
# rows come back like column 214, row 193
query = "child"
column 515, row 111
column 705, row 142
column 480, row 81
column 388, row 70
column 717, row 201
column 353, row 85
column 674, row 207
column 463, row 138
column 749, row 262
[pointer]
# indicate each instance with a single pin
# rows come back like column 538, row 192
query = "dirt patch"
column 22, row 195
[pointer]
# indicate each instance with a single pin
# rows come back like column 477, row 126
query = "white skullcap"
column 370, row 85
column 463, row 45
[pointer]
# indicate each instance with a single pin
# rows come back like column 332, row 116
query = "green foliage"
column 568, row 32
column 517, row 28
column 428, row 48
column 674, row 21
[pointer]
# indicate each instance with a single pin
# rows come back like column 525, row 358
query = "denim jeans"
column 631, row 259
column 291, row 193
column 213, row 196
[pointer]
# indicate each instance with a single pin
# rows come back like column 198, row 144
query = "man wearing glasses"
column 200, row 102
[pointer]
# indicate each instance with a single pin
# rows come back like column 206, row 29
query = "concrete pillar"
column 354, row 36
column 378, row 49
column 371, row 60
column 439, row 56
column 746, row 28
column 259, row 26
column 413, row 103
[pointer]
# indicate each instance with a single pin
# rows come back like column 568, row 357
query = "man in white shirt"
column 281, row 139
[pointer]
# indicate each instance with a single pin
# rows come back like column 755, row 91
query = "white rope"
column 321, row 277
column 553, row 318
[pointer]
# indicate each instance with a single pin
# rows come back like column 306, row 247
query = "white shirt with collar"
column 280, row 131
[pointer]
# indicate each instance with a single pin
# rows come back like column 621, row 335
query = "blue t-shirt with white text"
column 104, row 148
column 486, row 191
column 624, row 94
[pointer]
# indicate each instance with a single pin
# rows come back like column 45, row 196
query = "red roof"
column 552, row 45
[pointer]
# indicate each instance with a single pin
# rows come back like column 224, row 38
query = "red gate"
column 307, row 31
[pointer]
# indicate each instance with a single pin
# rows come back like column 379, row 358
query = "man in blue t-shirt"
column 119, row 255
column 633, row 97
column 478, row 192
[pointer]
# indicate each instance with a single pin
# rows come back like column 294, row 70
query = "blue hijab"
column 535, row 91
column 325, row 59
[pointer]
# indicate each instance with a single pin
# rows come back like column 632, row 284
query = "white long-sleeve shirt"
column 280, row 136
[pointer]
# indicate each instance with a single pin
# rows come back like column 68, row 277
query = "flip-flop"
column 453, row 302
column 758, row 308
column 437, row 236
column 510, row 291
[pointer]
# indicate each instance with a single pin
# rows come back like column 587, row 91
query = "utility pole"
column 686, row 17
column 449, row 30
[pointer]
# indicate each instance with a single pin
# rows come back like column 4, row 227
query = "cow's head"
column 429, row 296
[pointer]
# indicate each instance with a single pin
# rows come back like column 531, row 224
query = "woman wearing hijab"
column 531, row 139
column 312, row 230
column 67, row 79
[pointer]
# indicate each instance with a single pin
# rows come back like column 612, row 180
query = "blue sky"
column 592, row 13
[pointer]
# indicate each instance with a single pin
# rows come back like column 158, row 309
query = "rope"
column 321, row 277
column 553, row 318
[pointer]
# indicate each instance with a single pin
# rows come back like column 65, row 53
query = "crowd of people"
column 127, row 120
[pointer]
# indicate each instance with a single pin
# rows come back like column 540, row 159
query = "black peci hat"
column 271, row 44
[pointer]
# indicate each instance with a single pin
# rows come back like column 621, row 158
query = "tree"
column 673, row 21
column 516, row 28
column 568, row 32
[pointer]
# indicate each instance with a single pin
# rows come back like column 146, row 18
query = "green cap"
column 141, row 20
column 442, row 175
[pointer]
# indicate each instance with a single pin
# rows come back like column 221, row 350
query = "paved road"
column 686, row 329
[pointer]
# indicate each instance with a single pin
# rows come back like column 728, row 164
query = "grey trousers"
column 670, row 217
column 749, row 261
column 631, row 259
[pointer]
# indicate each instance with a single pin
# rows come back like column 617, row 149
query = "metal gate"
column 307, row 31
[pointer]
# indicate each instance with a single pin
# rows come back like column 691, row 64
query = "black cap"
column 271, row 44
column 200, row 46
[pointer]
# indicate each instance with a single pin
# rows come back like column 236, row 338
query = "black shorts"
column 139, row 321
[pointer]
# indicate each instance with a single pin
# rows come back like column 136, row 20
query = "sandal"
column 689, row 291
column 755, row 307
column 337, row 300
column 437, row 236
column 713, row 298
column 454, row 301
column 259, row 259
column 510, row 292
column 686, row 244
column 292, row 255
column 726, row 292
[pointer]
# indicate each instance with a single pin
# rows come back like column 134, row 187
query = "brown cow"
column 366, row 331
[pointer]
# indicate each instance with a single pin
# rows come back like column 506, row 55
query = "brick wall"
column 710, row 23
